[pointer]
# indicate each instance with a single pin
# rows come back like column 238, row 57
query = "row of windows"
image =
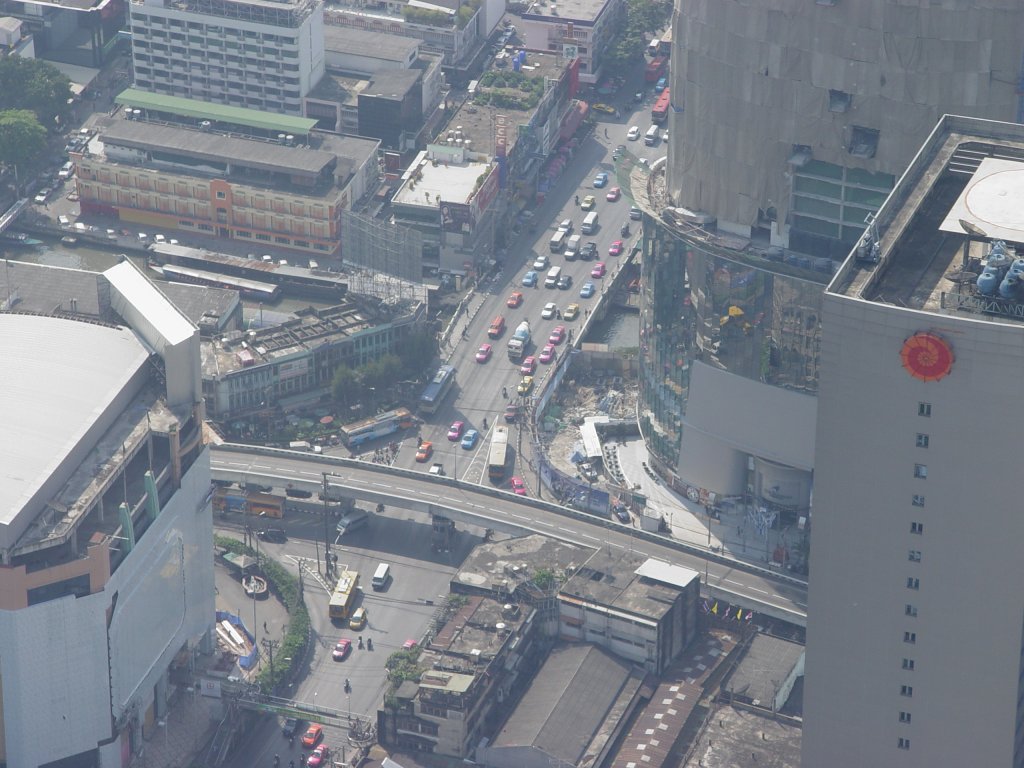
column 913, row 582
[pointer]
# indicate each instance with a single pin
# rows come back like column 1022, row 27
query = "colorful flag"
column 714, row 608
column 704, row 606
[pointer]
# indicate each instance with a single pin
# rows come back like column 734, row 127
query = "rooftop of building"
column 275, row 12
column 430, row 179
column 198, row 144
column 476, row 119
column 228, row 116
column 963, row 191
column 578, row 11
column 82, row 399
column 311, row 328
column 70, row 5
column 392, row 83
column 744, row 737
column 573, row 705
column 68, row 372
column 373, row 45
column 503, row 566
column 475, row 634
column 338, row 88
column 655, row 733
column 630, row 582
column 766, row 663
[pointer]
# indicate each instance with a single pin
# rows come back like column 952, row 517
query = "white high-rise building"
column 257, row 54
column 916, row 616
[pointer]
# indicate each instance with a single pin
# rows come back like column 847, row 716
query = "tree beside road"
column 22, row 138
column 37, row 86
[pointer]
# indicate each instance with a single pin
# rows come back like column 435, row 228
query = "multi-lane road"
column 769, row 593
column 478, row 393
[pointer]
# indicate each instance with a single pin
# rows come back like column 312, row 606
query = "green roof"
column 204, row 110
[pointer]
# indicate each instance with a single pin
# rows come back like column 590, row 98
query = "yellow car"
column 525, row 385
column 358, row 620
column 571, row 312
column 588, row 203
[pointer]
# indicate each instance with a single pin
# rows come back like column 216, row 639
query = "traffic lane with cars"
column 478, row 394
column 514, row 510
column 419, row 581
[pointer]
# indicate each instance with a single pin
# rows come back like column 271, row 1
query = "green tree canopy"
column 22, row 138
column 38, row 86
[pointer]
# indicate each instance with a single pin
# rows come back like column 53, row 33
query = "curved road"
column 769, row 593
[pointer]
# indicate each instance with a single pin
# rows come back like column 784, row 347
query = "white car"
column 43, row 195
column 549, row 310
column 541, row 262
column 634, row 133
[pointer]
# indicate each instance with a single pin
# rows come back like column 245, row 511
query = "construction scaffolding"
column 380, row 247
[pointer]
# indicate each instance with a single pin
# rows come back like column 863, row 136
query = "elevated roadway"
column 740, row 583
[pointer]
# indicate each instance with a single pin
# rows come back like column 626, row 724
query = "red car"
column 613, row 194
column 514, row 300
column 548, row 353
column 484, row 353
column 455, row 430
column 312, row 735
column 409, row 644
column 615, row 249
column 529, row 366
column 518, row 486
column 558, row 335
column 341, row 649
column 598, row 270
column 321, row 756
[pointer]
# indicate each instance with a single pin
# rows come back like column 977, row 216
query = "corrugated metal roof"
column 204, row 110
column 667, row 573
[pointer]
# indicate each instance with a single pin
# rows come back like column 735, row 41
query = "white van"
column 575, row 241
column 557, row 241
column 652, row 136
column 66, row 171
column 589, row 223
column 551, row 281
column 381, row 577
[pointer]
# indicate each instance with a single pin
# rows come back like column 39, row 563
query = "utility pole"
column 271, row 646
column 327, row 539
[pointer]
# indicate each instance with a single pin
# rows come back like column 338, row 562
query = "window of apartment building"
column 264, row 238
column 921, row 471
column 922, row 440
column 904, row 717
column 910, row 610
column 918, row 500
column 917, row 528
column 924, row 409
column 432, row 710
column 906, row 690
column 302, row 243
column 914, row 556
column 913, row 582
column 221, row 195
column 282, row 240
column 903, row 743
column 908, row 664
column 243, row 233
column 320, row 247
column 910, row 638
column 206, row 227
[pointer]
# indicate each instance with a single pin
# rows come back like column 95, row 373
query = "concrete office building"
column 787, row 130
column 245, row 53
column 106, row 561
column 224, row 185
column 580, row 29
column 915, row 637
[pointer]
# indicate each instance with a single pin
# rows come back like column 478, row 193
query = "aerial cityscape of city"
column 511, row 383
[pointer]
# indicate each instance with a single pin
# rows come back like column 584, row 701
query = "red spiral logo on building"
column 927, row 357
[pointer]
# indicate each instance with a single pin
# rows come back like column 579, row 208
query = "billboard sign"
column 456, row 217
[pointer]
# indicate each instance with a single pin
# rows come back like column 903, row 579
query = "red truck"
column 655, row 69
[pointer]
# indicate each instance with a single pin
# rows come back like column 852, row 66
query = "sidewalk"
column 732, row 534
